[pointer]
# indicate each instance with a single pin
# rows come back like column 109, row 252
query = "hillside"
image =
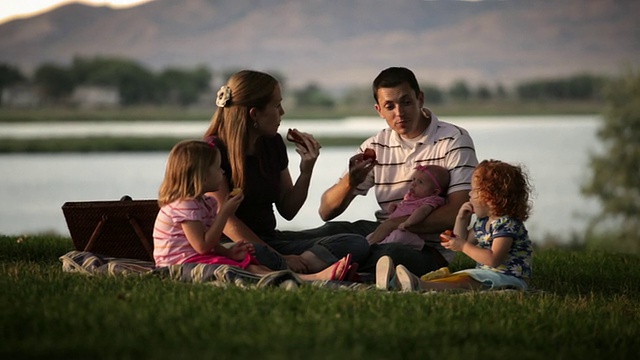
column 342, row 43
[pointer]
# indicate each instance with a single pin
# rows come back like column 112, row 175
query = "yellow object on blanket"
column 437, row 274
column 443, row 275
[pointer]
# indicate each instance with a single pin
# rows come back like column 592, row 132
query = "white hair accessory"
column 224, row 94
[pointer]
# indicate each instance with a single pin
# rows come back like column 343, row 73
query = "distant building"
column 22, row 95
column 96, row 97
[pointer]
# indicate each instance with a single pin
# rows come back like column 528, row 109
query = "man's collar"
column 408, row 144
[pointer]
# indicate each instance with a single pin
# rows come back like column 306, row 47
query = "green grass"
column 589, row 307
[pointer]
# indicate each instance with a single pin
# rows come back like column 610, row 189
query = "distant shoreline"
column 148, row 113
column 104, row 143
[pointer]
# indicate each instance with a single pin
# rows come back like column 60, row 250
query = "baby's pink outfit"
column 407, row 206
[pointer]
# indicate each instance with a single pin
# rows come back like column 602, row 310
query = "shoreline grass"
column 120, row 144
column 589, row 306
column 175, row 113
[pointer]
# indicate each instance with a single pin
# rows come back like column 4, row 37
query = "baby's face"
column 422, row 185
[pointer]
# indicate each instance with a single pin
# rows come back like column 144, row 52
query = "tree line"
column 139, row 85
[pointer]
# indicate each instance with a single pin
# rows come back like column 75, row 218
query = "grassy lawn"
column 588, row 306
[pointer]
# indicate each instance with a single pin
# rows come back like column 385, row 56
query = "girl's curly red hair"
column 505, row 188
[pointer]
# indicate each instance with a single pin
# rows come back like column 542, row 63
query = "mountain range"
column 343, row 42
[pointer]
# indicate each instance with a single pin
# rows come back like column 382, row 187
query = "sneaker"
column 385, row 274
column 406, row 280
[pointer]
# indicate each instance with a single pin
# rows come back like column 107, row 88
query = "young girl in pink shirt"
column 189, row 224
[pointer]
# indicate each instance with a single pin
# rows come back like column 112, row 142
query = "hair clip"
column 210, row 140
column 224, row 94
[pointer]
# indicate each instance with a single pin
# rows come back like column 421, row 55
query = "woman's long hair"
column 232, row 122
column 187, row 167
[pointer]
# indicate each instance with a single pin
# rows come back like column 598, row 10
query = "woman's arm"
column 293, row 196
column 235, row 229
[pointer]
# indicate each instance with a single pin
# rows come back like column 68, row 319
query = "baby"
column 427, row 192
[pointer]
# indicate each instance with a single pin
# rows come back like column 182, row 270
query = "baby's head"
column 429, row 180
column 189, row 171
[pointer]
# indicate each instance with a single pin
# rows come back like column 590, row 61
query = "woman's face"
column 268, row 118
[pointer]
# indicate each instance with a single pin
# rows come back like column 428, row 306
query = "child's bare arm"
column 204, row 241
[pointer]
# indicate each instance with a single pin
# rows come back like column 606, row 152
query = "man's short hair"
column 392, row 77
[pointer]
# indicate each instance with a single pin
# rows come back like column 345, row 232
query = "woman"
column 254, row 158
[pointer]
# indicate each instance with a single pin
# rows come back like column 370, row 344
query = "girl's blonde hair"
column 505, row 188
column 187, row 167
column 231, row 123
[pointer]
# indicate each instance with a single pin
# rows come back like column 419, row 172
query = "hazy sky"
column 12, row 9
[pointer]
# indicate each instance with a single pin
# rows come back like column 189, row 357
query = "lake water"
column 33, row 187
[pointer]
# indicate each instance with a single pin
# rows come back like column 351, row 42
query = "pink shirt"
column 170, row 244
column 410, row 203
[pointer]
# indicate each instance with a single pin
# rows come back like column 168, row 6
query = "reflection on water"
column 555, row 150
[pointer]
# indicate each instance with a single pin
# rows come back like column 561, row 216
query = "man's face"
column 402, row 110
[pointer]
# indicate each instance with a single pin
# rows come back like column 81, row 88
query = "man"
column 414, row 137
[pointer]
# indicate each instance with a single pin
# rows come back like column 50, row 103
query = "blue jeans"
column 328, row 248
column 418, row 262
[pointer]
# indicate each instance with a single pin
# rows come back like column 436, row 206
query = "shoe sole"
column 384, row 273
column 404, row 279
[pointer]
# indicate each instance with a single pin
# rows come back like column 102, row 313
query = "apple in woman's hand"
column 293, row 135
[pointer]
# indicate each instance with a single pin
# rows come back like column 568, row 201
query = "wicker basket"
column 121, row 228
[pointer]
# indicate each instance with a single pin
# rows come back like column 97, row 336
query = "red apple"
column 294, row 136
column 449, row 233
column 369, row 154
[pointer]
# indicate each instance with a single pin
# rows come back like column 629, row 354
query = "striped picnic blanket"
column 84, row 262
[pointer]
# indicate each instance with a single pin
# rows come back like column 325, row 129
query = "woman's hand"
column 309, row 152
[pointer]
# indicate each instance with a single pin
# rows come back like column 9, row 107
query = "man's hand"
column 359, row 168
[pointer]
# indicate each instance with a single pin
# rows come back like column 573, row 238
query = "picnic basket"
column 121, row 228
